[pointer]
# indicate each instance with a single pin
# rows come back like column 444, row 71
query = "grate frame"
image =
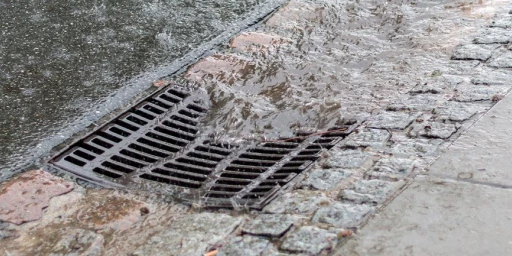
column 161, row 145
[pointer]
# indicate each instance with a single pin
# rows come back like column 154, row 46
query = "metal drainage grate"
column 158, row 144
column 157, row 128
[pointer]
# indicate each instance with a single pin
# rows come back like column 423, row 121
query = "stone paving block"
column 310, row 240
column 432, row 86
column 392, row 168
column 326, row 179
column 459, row 67
column 371, row 191
column 256, row 40
column 416, row 147
column 100, row 209
column 473, row 52
column 374, row 138
column 502, row 61
column 422, row 102
column 503, row 22
column 433, row 130
column 273, row 225
column 298, row 201
column 392, row 120
column 57, row 241
column 248, row 246
column 438, row 217
column 491, row 76
column 6, row 231
column 459, row 111
column 494, row 36
column 479, row 93
column 452, row 80
column 343, row 215
column 191, row 235
column 23, row 198
column 293, row 12
column 347, row 159
column 217, row 65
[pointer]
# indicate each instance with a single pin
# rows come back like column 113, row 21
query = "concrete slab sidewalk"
column 483, row 153
column 463, row 206
column 439, row 217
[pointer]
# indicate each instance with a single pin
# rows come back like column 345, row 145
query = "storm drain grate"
column 159, row 144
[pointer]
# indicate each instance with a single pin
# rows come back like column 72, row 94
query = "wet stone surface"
column 392, row 168
column 492, row 76
column 433, row 130
column 338, row 61
column 310, row 240
column 424, row 102
column 494, row 36
column 256, row 41
column 371, row 191
column 23, row 198
column 374, row 138
column 326, row 179
column 458, row 111
column 298, row 202
column 502, row 61
column 272, row 225
column 415, row 147
column 342, row 215
column 248, row 245
column 392, row 120
column 347, row 159
column 191, row 235
column 473, row 52
column 479, row 93
column 504, row 21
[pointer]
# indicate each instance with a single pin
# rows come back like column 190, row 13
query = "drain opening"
column 159, row 140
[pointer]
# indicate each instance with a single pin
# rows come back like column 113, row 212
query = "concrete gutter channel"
column 450, row 196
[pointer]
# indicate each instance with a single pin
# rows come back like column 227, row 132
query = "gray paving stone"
column 491, row 76
column 392, row 168
column 459, row 67
column 473, row 52
column 479, row 93
column 343, row 215
column 191, row 234
column 326, row 179
column 249, row 246
column 422, row 102
column 433, row 130
column 392, row 120
column 374, row 138
column 452, row 80
column 311, row 240
column 371, row 191
column 416, row 147
column 435, row 85
column 502, row 22
column 459, row 111
column 298, row 201
column 273, row 225
column 502, row 61
column 347, row 159
column 494, row 36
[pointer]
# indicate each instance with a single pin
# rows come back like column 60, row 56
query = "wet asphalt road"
column 61, row 59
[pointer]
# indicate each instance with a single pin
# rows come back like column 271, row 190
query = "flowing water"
column 60, row 60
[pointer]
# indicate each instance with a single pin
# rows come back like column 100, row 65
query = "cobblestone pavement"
column 413, row 87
